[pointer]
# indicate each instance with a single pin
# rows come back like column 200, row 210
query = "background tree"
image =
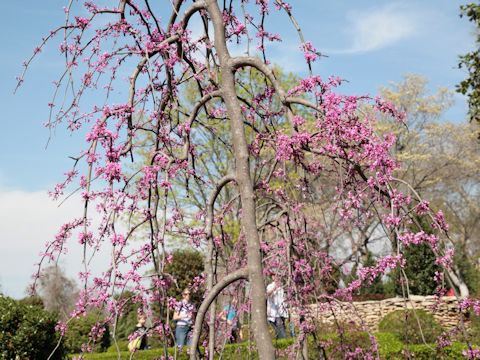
column 419, row 270
column 185, row 265
column 440, row 161
column 58, row 293
column 471, row 63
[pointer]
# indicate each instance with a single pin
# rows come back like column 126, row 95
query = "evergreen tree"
column 420, row 269
column 420, row 265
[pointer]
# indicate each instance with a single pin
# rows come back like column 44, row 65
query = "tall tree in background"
column 471, row 63
column 441, row 161
column 57, row 291
column 277, row 143
column 185, row 266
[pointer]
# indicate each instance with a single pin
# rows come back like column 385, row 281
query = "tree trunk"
column 259, row 324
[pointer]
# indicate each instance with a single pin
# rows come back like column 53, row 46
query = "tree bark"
column 259, row 324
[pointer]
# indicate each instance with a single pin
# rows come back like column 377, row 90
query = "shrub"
column 78, row 333
column 28, row 331
column 354, row 344
column 388, row 344
column 404, row 324
column 33, row 300
column 474, row 327
column 424, row 352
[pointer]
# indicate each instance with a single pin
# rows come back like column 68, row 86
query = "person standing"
column 276, row 308
column 229, row 317
column 183, row 316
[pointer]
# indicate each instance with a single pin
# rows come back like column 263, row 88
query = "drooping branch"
column 240, row 274
column 210, row 251
column 197, row 6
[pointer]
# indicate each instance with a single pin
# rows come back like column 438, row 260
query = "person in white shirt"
column 183, row 316
column 276, row 307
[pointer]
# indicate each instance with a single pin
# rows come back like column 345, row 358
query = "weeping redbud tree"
column 188, row 143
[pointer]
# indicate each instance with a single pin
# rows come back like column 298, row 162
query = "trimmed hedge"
column 404, row 324
column 390, row 348
column 425, row 352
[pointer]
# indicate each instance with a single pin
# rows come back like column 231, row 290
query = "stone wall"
column 369, row 313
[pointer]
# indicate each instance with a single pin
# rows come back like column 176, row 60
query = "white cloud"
column 27, row 221
column 377, row 28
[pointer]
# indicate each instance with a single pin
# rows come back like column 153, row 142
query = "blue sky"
column 369, row 43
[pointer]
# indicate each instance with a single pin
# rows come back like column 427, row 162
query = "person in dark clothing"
column 141, row 329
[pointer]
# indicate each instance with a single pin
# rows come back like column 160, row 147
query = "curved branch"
column 192, row 117
column 210, row 251
column 196, row 6
column 240, row 274
column 201, row 103
column 211, row 201
column 133, row 78
column 242, row 61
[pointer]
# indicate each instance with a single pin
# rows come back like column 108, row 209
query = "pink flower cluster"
column 369, row 274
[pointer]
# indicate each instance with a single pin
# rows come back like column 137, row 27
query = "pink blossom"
column 118, row 240
column 423, row 207
column 309, row 52
column 112, row 171
column 81, row 22
column 472, row 353
column 446, row 260
column 440, row 222
column 298, row 120
column 392, row 220
column 239, row 29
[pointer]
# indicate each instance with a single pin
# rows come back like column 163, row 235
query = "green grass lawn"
column 389, row 348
